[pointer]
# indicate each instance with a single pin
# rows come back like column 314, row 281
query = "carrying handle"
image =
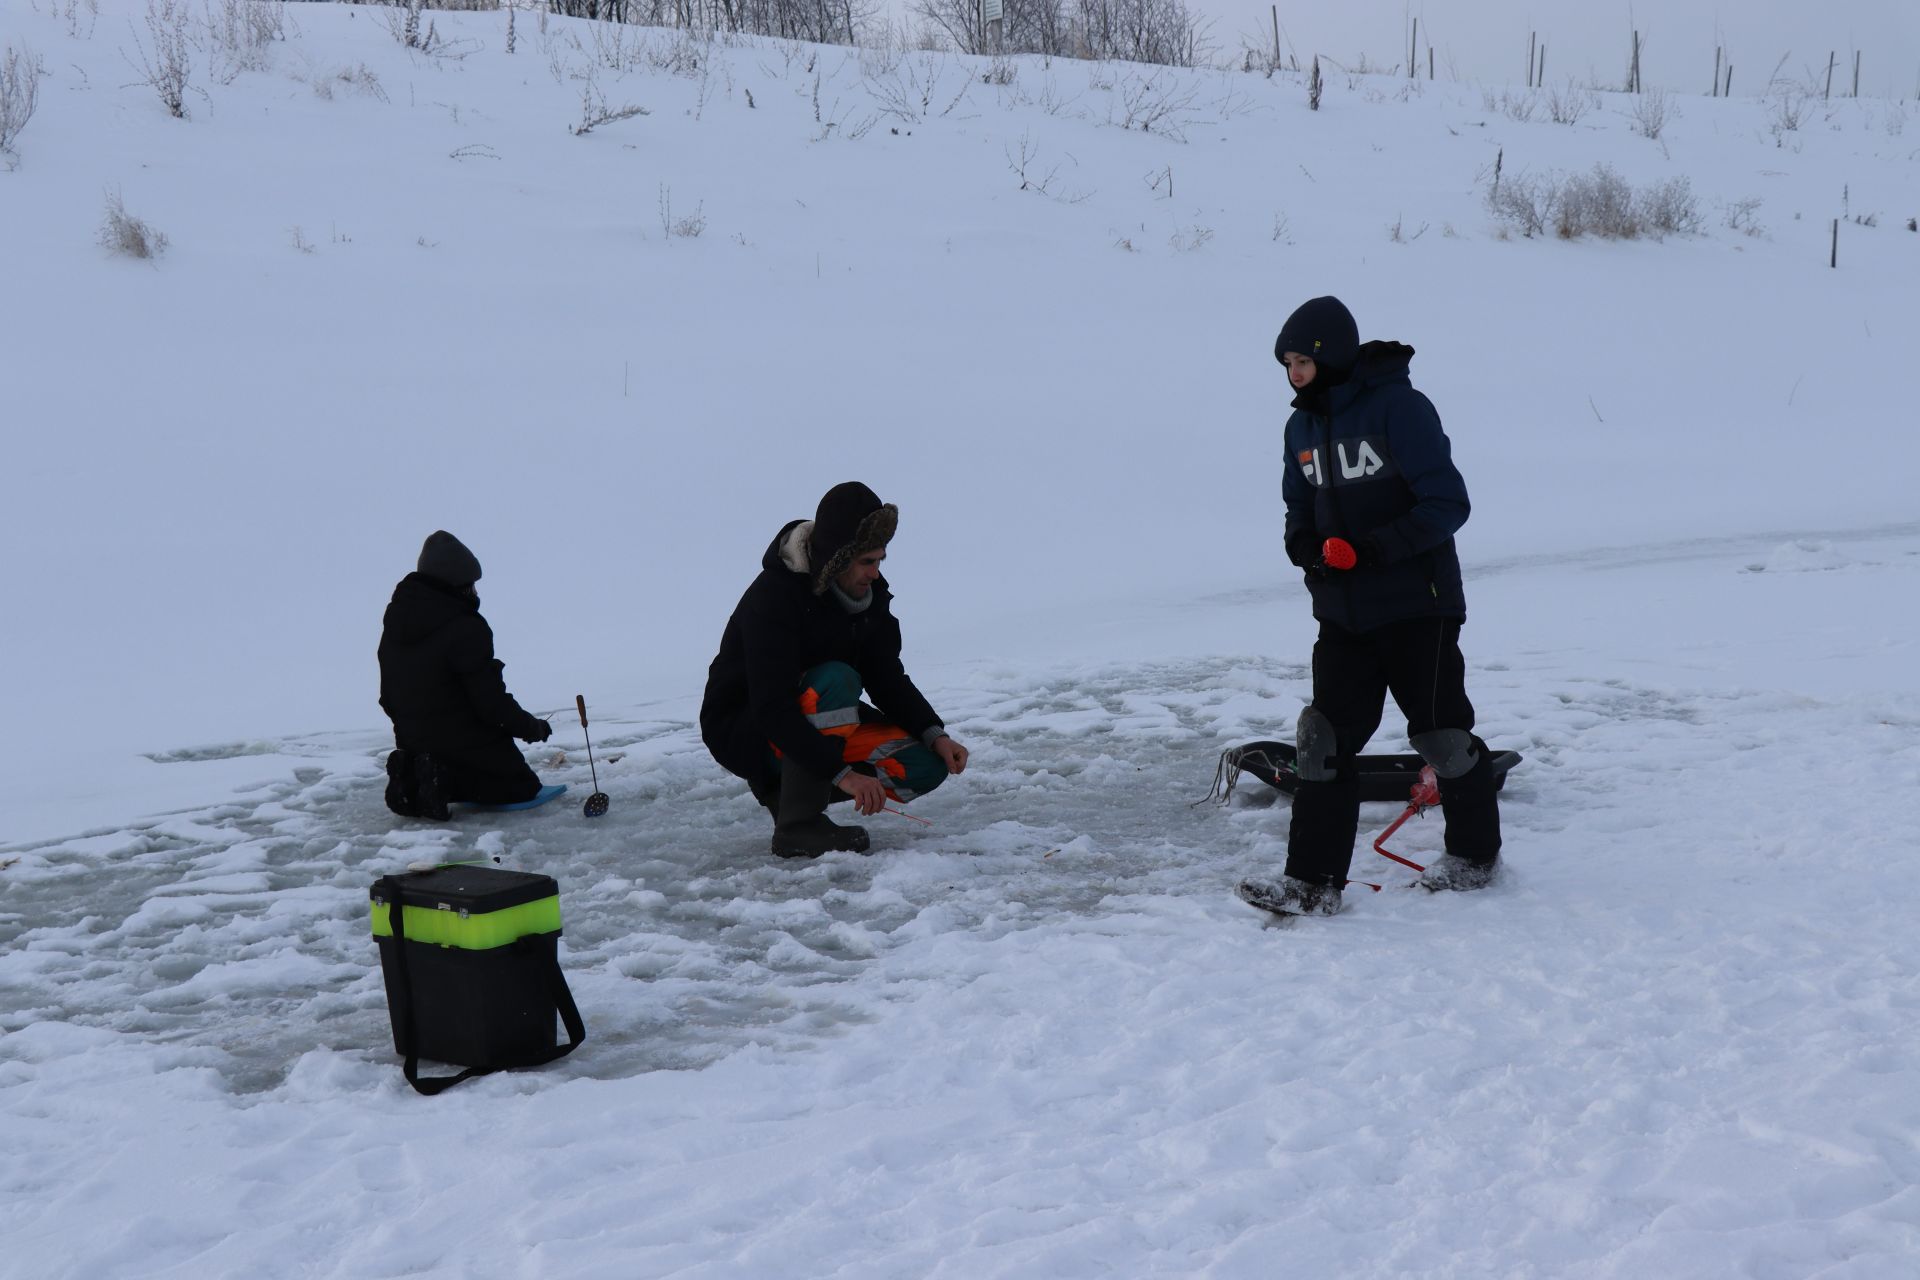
column 580, row 700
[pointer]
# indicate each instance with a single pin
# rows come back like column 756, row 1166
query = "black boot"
column 801, row 828
column 429, row 788
column 400, row 791
column 1471, row 803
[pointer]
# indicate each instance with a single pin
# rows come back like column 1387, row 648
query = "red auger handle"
column 580, row 700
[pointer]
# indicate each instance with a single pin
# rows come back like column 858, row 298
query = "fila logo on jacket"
column 1356, row 460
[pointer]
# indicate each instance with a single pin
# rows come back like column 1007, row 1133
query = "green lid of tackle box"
column 473, row 908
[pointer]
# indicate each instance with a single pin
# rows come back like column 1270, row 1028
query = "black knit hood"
column 421, row 605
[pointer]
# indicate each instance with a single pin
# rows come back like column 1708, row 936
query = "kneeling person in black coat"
column 783, row 703
column 453, row 720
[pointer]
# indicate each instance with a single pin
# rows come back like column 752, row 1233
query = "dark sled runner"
column 1381, row 777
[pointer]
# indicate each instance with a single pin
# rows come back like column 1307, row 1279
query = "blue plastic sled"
column 546, row 793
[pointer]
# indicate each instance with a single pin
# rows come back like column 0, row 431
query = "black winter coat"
column 780, row 630
column 1368, row 461
column 439, row 681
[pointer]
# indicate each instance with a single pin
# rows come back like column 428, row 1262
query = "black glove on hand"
column 1303, row 548
column 538, row 730
column 1342, row 555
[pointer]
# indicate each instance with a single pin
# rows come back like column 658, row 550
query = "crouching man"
column 453, row 720
column 783, row 704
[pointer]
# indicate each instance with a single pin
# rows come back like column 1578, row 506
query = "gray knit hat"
column 445, row 558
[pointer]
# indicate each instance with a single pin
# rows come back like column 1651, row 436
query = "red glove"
column 1338, row 553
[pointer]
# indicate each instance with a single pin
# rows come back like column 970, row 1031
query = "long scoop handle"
column 580, row 700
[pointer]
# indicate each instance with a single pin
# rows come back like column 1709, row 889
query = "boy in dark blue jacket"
column 1373, row 501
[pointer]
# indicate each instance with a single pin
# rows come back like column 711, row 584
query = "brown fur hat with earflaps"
column 850, row 522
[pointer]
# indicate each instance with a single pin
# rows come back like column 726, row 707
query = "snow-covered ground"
column 1039, row 1037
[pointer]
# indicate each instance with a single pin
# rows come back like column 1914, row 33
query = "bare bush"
column 594, row 110
column 1787, row 109
column 1567, row 105
column 360, row 79
column 1518, row 107
column 241, row 34
column 687, row 227
column 1597, row 203
column 125, row 234
column 81, row 16
column 1188, row 239
column 1040, row 177
column 20, row 73
column 916, row 87
column 1668, row 209
column 1739, row 216
column 168, row 66
column 1651, row 113
column 1154, row 102
column 1523, row 203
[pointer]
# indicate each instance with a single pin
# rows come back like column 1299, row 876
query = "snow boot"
column 400, row 789
column 801, row 828
column 1451, row 871
column 1290, row 897
column 429, row 788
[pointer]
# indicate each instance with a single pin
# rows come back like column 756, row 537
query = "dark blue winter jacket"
column 1368, row 461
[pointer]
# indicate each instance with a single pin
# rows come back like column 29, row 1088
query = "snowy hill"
column 407, row 290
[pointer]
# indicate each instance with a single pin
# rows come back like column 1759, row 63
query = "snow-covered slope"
column 1040, row 1037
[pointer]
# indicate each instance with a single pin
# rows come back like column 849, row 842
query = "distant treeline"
column 1166, row 32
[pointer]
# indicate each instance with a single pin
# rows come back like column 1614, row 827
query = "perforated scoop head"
column 596, row 804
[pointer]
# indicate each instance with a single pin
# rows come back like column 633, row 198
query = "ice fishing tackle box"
column 472, row 969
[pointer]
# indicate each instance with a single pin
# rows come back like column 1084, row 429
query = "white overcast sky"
column 1486, row 40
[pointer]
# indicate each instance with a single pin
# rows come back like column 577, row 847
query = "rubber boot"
column 400, row 792
column 801, row 828
column 429, row 788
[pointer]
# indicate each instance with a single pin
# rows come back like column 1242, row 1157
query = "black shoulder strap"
column 403, row 1005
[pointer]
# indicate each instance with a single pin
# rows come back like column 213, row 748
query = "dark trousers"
column 1418, row 661
column 492, row 772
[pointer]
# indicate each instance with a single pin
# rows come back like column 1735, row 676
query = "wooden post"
column 1729, row 92
column 1429, row 62
column 1276, row 35
column 1543, row 66
column 1716, row 73
column 1828, row 95
column 1532, row 43
column 1633, row 75
column 1856, row 73
column 1413, row 57
column 1834, row 261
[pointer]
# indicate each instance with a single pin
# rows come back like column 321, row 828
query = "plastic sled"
column 1381, row 777
column 545, row 794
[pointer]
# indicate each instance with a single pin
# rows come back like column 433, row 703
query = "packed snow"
column 1039, row 1036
